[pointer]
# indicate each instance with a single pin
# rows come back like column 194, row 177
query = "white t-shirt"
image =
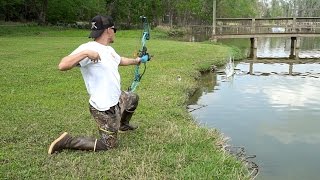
column 102, row 78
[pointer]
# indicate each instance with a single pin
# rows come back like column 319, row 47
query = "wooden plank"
column 264, row 27
column 231, row 36
column 282, row 60
column 276, row 18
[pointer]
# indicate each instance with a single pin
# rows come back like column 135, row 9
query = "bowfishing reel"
column 143, row 52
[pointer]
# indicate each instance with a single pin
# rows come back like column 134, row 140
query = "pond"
column 271, row 109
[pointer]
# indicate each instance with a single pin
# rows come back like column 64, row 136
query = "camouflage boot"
column 59, row 143
column 128, row 102
column 124, row 123
column 65, row 141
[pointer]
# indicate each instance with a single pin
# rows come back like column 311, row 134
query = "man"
column 111, row 108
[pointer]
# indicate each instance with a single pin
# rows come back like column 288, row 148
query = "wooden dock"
column 254, row 28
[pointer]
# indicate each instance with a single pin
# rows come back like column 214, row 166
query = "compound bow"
column 142, row 52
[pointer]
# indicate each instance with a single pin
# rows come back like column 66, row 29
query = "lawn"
column 38, row 103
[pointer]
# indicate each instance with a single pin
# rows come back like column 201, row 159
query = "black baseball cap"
column 98, row 24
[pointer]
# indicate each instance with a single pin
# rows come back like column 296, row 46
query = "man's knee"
column 133, row 101
column 107, row 141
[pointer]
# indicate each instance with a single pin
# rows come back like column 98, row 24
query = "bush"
column 176, row 32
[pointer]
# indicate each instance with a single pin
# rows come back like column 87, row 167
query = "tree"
column 239, row 8
column 12, row 10
column 70, row 11
column 291, row 8
column 126, row 12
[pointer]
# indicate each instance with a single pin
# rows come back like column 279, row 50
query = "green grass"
column 38, row 103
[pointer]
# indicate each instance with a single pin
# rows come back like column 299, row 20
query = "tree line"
column 290, row 8
column 170, row 12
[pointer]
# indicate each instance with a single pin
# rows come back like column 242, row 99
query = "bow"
column 142, row 52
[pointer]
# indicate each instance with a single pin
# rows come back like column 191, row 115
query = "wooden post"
column 253, row 26
column 295, row 48
column 294, row 25
column 298, row 40
column 214, row 23
column 253, row 48
column 293, row 42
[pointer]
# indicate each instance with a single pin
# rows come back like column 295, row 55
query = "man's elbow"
column 63, row 67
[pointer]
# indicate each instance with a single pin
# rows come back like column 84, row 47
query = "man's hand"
column 93, row 56
column 144, row 58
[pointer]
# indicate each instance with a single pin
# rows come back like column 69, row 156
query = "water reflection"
column 280, row 47
column 265, row 69
column 274, row 116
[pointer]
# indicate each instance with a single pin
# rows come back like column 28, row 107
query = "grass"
column 38, row 103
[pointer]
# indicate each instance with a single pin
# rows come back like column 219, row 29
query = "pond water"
column 280, row 47
column 271, row 109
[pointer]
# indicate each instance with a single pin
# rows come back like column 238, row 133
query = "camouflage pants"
column 110, row 121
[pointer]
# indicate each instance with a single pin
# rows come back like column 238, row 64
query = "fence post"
column 253, row 25
column 214, row 23
column 294, row 25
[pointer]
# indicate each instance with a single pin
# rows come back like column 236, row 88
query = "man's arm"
column 129, row 61
column 71, row 61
